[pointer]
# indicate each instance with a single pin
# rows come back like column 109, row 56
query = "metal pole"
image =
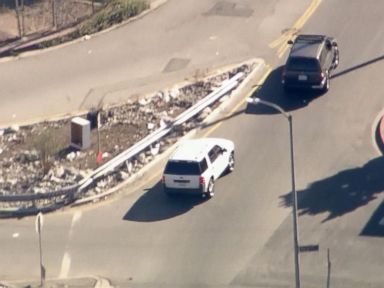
column 294, row 211
column 17, row 9
column 54, row 16
column 41, row 261
column 42, row 269
column 294, row 193
column 38, row 226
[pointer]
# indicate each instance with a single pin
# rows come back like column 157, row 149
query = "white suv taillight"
column 163, row 179
column 201, row 180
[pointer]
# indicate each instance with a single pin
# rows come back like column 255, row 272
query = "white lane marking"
column 65, row 266
column 76, row 217
column 66, row 262
column 15, row 235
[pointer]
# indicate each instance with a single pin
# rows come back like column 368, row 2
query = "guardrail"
column 73, row 191
column 40, row 196
column 161, row 132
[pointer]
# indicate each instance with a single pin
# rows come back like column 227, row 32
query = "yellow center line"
column 308, row 13
column 282, row 40
column 281, row 51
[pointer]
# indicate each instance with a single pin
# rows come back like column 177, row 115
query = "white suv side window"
column 217, row 160
column 214, row 153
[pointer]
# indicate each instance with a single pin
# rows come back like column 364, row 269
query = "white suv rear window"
column 182, row 168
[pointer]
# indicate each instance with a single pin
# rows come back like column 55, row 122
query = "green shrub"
column 116, row 11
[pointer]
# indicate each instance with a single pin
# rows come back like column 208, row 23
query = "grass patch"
column 116, row 11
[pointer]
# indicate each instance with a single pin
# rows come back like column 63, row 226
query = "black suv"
column 310, row 63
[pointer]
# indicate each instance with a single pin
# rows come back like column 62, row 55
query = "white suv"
column 196, row 164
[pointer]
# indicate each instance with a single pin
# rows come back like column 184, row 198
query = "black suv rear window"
column 182, row 168
column 303, row 64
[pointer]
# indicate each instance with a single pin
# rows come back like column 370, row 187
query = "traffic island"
column 41, row 171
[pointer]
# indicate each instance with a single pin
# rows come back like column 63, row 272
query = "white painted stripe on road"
column 65, row 266
column 66, row 262
column 76, row 217
column 15, row 235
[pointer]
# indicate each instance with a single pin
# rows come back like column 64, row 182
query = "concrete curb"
column 223, row 108
column 68, row 115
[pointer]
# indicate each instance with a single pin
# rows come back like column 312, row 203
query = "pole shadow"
column 272, row 91
column 155, row 205
column 375, row 225
column 341, row 193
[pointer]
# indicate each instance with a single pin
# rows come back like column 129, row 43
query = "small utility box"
column 80, row 133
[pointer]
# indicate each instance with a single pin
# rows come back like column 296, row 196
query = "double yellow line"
column 282, row 40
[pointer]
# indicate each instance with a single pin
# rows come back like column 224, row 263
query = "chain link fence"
column 20, row 18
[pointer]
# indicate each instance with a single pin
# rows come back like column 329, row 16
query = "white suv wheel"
column 231, row 162
column 210, row 189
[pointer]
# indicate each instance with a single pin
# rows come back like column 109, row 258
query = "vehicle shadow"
column 272, row 91
column 341, row 193
column 155, row 205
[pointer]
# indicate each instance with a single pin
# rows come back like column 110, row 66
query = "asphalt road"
column 242, row 237
column 179, row 40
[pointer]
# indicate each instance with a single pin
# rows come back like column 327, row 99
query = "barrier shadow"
column 375, row 225
column 341, row 193
column 272, row 90
column 155, row 205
